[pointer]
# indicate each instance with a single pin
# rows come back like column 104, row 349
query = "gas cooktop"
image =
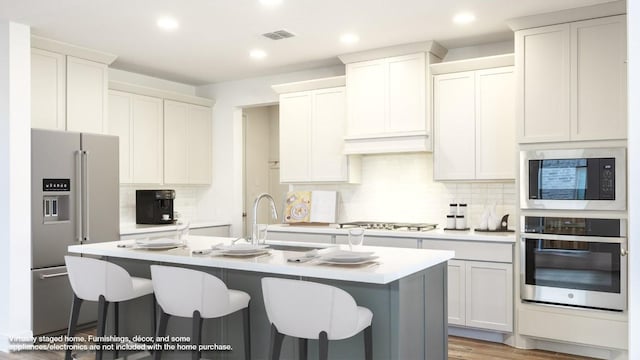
column 377, row 225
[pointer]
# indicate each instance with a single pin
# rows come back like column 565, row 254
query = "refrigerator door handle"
column 79, row 196
column 47, row 276
column 85, row 196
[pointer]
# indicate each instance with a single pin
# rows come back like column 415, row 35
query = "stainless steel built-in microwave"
column 575, row 179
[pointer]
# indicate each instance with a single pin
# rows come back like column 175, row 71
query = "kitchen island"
column 405, row 289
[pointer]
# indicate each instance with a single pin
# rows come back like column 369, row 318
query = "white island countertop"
column 436, row 234
column 392, row 264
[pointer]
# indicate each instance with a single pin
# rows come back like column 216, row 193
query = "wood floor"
column 470, row 349
column 459, row 349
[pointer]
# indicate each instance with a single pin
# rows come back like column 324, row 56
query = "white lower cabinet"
column 456, row 292
column 220, row 231
column 480, row 295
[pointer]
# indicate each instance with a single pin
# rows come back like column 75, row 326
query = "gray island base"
column 409, row 320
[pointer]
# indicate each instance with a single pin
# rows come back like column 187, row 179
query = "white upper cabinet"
column 295, row 136
column 474, row 124
column 572, row 81
column 599, row 79
column 68, row 87
column 87, row 83
column 388, row 99
column 312, row 127
column 366, row 97
column 495, row 124
column 454, row 115
column 48, row 100
column 137, row 121
column 199, row 135
column 387, row 105
column 187, row 143
column 407, row 95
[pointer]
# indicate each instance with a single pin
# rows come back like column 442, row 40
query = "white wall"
column 15, row 181
column 186, row 202
column 633, row 41
column 223, row 200
column 400, row 188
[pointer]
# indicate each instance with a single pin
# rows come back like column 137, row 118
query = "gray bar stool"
column 197, row 295
column 104, row 282
column 308, row 310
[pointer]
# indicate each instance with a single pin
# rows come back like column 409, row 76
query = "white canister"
column 453, row 209
column 462, row 209
column 461, row 222
column 451, row 221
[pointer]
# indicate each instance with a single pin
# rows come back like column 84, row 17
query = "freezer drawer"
column 52, row 301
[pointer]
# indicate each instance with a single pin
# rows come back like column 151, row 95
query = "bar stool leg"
column 116, row 322
column 302, row 349
column 323, row 346
column 247, row 333
column 197, row 333
column 368, row 343
column 276, row 343
column 153, row 314
column 76, row 302
column 161, row 330
column 102, row 317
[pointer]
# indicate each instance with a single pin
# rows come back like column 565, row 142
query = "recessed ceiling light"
column 271, row 2
column 258, row 54
column 349, row 38
column 167, row 23
column 464, row 18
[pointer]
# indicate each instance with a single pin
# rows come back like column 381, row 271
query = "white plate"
column 350, row 262
column 240, row 248
column 346, row 256
column 245, row 253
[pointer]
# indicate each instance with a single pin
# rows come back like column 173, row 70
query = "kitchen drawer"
column 473, row 250
column 400, row 242
column 52, row 296
column 299, row 237
column 222, row 231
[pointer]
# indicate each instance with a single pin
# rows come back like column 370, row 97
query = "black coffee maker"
column 154, row 206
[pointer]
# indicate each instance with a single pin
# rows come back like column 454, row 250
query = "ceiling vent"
column 278, row 35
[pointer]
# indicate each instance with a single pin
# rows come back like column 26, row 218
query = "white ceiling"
column 215, row 36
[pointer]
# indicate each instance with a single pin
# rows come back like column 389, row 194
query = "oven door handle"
column 600, row 239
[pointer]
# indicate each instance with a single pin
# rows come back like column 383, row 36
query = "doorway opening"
column 261, row 163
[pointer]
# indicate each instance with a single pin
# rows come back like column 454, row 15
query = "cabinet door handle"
column 623, row 252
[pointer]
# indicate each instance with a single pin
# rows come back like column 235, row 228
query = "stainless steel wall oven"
column 574, row 261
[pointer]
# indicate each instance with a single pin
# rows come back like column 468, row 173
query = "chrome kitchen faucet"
column 274, row 212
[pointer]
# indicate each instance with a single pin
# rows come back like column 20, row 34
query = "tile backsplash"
column 186, row 202
column 400, row 188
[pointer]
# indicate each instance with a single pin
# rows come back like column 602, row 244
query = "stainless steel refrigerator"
column 74, row 199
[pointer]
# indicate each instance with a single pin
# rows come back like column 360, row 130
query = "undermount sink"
column 301, row 248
